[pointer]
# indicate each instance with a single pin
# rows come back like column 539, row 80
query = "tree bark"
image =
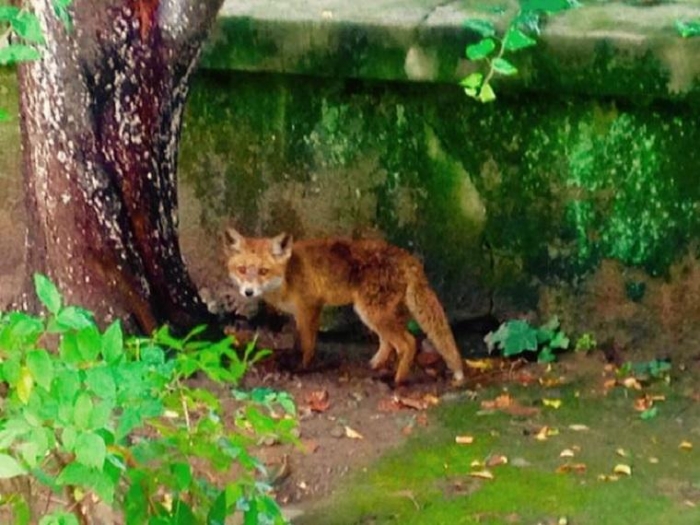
column 101, row 116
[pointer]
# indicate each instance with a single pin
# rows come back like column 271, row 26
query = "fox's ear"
column 233, row 241
column 282, row 246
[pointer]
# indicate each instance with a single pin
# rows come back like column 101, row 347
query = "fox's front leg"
column 307, row 320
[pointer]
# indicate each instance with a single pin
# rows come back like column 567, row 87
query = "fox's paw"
column 458, row 379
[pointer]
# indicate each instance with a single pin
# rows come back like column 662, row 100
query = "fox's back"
column 337, row 270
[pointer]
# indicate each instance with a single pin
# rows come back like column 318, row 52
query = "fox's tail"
column 426, row 309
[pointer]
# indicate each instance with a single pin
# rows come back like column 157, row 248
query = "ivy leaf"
column 487, row 94
column 60, row 8
column 90, row 450
column 546, row 6
column 40, row 365
column 59, row 518
column 82, row 410
column 25, row 385
column 481, row 49
column 183, row 475
column 688, row 29
column 47, row 293
column 515, row 39
column 484, row 27
column 18, row 53
column 10, row 467
column 27, row 26
column 113, row 343
column 502, row 66
column 74, row 317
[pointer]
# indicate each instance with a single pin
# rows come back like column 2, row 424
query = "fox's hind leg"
column 386, row 320
column 382, row 356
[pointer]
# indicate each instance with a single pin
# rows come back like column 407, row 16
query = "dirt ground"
column 349, row 415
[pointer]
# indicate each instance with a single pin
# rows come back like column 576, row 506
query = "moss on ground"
column 427, row 480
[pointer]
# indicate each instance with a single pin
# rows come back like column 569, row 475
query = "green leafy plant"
column 24, row 26
column 647, row 371
column 689, row 28
column 493, row 51
column 517, row 337
column 111, row 424
column 585, row 343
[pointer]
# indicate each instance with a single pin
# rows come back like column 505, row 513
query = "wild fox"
column 385, row 284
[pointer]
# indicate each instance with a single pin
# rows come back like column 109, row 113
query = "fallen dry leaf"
column 477, row 464
column 479, row 364
column 578, row 427
column 464, row 440
column 318, row 400
column 546, row 432
column 499, row 403
column 309, row 445
column 609, row 384
column 567, row 453
column 632, row 383
column 653, row 460
column 643, row 403
column 549, row 382
column 415, row 404
column 496, row 459
column 621, row 468
column 578, row 468
column 685, row 445
column 607, row 477
column 622, row 452
column 482, row 474
column 388, row 405
column 554, row 403
column 352, row 433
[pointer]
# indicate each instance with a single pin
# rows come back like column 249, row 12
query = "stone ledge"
column 611, row 49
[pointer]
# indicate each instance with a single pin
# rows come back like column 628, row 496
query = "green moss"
column 427, row 480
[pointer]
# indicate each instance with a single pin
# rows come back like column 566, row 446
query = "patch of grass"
column 428, row 479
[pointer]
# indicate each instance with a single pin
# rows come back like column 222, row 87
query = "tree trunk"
column 101, row 115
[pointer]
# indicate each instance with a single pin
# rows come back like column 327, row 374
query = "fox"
column 385, row 284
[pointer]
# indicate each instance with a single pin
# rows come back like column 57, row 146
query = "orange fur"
column 385, row 284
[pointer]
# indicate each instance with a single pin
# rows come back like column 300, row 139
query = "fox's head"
column 256, row 265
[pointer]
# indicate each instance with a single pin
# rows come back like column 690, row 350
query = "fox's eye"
column 241, row 269
column 263, row 271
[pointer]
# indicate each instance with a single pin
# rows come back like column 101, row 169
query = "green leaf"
column 484, row 27
column 113, row 342
column 10, row 467
column 481, row 49
column 7, row 13
column 25, row 385
column 516, row 39
column 546, row 6
column 100, row 381
column 74, row 474
column 486, row 94
column 59, row 518
column 27, row 26
column 68, row 349
column 4, row 116
column 559, row 341
column 41, row 367
column 75, row 317
column 60, row 8
column 89, row 343
column 649, row 413
column 68, row 438
column 503, row 67
column 47, row 293
column 688, row 29
column 82, row 410
column 90, row 450
column 18, row 53
column 183, row 475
